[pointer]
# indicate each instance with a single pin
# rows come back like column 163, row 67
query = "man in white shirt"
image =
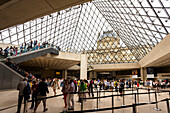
column 71, row 95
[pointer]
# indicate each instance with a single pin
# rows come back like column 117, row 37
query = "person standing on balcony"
column 16, row 51
column 21, row 49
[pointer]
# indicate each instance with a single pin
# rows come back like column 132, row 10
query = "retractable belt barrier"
column 132, row 89
column 120, row 107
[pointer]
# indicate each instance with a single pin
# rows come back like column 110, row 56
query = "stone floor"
column 56, row 105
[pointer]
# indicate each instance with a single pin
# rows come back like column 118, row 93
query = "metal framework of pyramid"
column 108, row 31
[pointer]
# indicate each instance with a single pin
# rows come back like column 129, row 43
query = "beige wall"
column 120, row 66
column 68, row 56
column 160, row 53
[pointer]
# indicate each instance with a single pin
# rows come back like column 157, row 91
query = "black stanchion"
column 149, row 95
column 99, row 96
column 123, row 100
column 135, row 98
column 117, row 97
column 138, row 94
column 168, row 107
column 132, row 92
column 157, row 109
column 112, row 104
column 104, row 91
column 97, row 100
column 82, row 103
column 134, row 108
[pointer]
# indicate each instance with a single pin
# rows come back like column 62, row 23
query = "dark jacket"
column 42, row 89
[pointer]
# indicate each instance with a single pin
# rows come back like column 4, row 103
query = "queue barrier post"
column 112, row 104
column 117, row 97
column 135, row 98
column 123, row 100
column 132, row 92
column 82, row 102
column 97, row 100
column 134, row 108
column 99, row 96
column 149, row 95
column 156, row 108
column 138, row 94
column 168, row 107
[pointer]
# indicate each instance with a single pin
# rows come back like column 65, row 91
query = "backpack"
column 27, row 92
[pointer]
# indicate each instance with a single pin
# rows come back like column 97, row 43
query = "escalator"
column 9, row 78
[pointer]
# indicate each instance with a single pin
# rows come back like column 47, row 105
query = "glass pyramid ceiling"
column 129, row 29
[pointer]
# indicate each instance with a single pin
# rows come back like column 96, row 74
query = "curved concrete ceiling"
column 13, row 12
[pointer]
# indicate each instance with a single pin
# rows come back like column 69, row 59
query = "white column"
column 64, row 74
column 83, row 68
column 143, row 72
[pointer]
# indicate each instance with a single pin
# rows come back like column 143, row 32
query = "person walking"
column 71, row 95
column 24, row 92
column 41, row 91
column 34, row 96
column 55, row 85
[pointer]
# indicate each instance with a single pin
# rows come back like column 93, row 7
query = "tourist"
column 81, row 90
column 55, row 85
column 16, row 51
column 121, row 87
column 24, row 92
column 65, row 92
column 91, row 88
column 116, row 85
column 108, row 84
column 42, row 91
column 34, row 96
column 71, row 95
column 6, row 52
column 21, row 49
column 11, row 51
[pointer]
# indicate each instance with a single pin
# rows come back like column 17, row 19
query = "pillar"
column 83, row 67
column 64, row 74
column 90, row 74
column 95, row 74
column 143, row 73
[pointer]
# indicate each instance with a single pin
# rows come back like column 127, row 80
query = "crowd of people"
column 26, row 47
column 15, row 67
column 70, row 87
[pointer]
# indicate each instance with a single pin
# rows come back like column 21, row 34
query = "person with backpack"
column 41, row 92
column 24, row 92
